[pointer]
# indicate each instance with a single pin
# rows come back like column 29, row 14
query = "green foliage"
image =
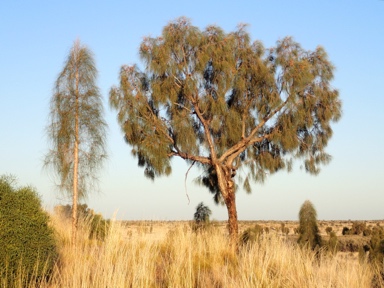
column 201, row 217
column 98, row 226
column 202, row 213
column 208, row 95
column 308, row 230
column 27, row 242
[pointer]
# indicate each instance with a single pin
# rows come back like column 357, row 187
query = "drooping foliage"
column 224, row 103
column 76, row 99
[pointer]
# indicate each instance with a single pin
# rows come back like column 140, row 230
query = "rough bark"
column 227, row 189
column 233, row 228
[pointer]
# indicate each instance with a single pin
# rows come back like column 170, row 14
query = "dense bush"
column 308, row 230
column 27, row 242
column 345, row 231
column 98, row 226
column 328, row 230
column 358, row 228
column 376, row 252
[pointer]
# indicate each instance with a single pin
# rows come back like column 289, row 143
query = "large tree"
column 76, row 128
column 218, row 100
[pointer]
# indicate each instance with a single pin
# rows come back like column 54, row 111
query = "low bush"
column 251, row 234
column 345, row 231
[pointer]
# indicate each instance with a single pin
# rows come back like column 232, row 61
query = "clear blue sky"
column 35, row 38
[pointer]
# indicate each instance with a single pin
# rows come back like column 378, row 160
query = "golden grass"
column 183, row 258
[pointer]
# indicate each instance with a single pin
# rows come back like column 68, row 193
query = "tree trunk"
column 76, row 163
column 233, row 227
column 226, row 185
column 75, row 195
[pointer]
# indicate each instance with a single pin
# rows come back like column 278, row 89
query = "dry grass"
column 172, row 255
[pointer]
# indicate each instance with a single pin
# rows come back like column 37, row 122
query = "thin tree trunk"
column 75, row 192
column 75, row 164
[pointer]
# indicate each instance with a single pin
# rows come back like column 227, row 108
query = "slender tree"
column 228, row 105
column 77, row 129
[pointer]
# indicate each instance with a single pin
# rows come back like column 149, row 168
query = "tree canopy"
column 220, row 101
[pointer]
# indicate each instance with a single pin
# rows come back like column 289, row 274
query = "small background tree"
column 201, row 216
column 27, row 243
column 308, row 230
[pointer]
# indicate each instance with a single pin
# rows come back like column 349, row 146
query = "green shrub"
column 308, row 230
column 27, row 243
column 202, row 213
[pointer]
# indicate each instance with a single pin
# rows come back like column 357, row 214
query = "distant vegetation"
column 309, row 235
